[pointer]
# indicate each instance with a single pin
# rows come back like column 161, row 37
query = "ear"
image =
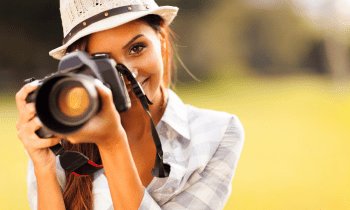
column 161, row 35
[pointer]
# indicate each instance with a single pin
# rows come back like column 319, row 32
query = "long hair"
column 78, row 192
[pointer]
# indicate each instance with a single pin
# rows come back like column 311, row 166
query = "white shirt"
column 201, row 146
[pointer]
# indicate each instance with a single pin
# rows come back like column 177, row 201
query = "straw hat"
column 83, row 17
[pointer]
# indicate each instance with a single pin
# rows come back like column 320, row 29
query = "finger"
column 33, row 142
column 28, row 114
column 22, row 94
column 33, row 125
column 48, row 142
column 102, row 89
column 28, row 130
column 104, row 92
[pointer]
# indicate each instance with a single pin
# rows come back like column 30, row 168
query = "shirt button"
column 155, row 198
column 166, row 155
column 170, row 190
column 175, row 146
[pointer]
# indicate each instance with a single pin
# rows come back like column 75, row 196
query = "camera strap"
column 160, row 169
column 80, row 165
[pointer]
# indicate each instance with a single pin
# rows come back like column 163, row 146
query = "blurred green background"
column 282, row 66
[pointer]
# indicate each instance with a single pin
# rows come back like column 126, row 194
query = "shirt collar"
column 175, row 115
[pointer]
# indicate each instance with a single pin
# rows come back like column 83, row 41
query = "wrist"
column 113, row 143
column 44, row 171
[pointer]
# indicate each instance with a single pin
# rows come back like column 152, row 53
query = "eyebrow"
column 132, row 40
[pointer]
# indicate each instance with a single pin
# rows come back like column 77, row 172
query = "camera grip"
column 30, row 98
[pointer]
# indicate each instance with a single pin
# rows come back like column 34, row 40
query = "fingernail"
column 98, row 83
column 34, row 83
column 37, row 120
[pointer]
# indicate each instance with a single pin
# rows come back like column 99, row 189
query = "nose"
column 134, row 71
column 129, row 65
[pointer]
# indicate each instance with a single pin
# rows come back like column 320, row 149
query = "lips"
column 144, row 81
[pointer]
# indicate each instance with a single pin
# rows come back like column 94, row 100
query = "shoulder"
column 198, row 121
column 213, row 124
column 203, row 130
column 220, row 118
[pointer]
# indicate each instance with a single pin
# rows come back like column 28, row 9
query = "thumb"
column 105, row 93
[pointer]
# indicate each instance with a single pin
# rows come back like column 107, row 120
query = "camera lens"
column 73, row 101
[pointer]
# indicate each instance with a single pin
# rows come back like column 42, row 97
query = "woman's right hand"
column 43, row 158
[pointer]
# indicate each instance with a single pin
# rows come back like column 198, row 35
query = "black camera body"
column 76, row 73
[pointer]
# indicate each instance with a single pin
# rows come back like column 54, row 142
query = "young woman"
column 201, row 146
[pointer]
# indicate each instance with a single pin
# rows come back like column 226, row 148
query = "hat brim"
column 168, row 13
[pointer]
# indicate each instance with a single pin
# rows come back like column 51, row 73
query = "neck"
column 136, row 121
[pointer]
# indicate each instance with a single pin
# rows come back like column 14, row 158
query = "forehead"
column 121, row 34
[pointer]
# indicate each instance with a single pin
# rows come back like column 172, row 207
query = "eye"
column 137, row 48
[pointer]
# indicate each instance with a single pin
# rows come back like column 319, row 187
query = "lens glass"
column 73, row 101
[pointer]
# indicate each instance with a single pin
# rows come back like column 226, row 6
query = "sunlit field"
column 296, row 153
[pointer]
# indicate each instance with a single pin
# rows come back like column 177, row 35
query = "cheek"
column 155, row 60
column 153, row 67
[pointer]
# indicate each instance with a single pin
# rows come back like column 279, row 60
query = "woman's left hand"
column 104, row 129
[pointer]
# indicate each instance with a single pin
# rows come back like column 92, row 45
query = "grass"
column 296, row 153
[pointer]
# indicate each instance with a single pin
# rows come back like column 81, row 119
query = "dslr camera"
column 67, row 99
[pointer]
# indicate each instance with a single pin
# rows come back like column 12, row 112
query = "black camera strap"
column 80, row 165
column 71, row 161
column 160, row 169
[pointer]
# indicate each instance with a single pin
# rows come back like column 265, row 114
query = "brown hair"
column 78, row 192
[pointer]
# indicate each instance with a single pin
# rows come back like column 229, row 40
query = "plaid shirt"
column 201, row 146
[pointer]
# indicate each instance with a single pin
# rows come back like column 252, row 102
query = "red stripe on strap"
column 77, row 174
column 94, row 164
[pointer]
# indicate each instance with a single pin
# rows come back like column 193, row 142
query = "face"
column 139, row 48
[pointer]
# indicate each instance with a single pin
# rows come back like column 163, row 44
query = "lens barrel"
column 70, row 108
column 65, row 102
